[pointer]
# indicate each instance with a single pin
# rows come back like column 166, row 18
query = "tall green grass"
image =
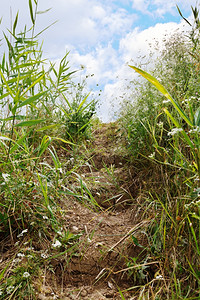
column 165, row 132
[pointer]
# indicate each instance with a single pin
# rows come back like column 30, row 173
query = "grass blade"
column 15, row 23
column 31, row 12
column 180, row 13
column 32, row 99
column 82, row 103
column 163, row 90
column 29, row 123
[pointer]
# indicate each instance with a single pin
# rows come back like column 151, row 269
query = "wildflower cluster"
column 175, row 131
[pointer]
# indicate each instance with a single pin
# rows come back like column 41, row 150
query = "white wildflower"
column 159, row 277
column 166, row 101
column 160, row 124
column 45, row 217
column 195, row 130
column 1, row 292
column 185, row 100
column 56, row 244
column 26, row 274
column 30, row 248
column 89, row 240
column 54, row 296
column 152, row 155
column 6, row 177
column 9, row 289
column 22, row 233
column 16, row 260
column 20, row 255
column 71, row 160
column 44, row 255
column 175, row 131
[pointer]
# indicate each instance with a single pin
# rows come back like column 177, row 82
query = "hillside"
column 104, row 218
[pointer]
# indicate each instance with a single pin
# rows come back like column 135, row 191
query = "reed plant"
column 33, row 130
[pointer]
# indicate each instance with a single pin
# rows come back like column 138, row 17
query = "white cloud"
column 160, row 7
column 117, row 23
column 83, row 23
column 99, row 34
column 103, row 62
column 135, row 48
column 141, row 5
column 141, row 43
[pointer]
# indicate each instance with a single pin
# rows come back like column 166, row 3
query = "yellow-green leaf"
column 32, row 99
column 29, row 123
column 163, row 90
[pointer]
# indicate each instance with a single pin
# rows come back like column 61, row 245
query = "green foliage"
column 77, row 113
column 32, row 120
column 78, row 118
column 143, row 118
column 186, row 121
column 162, row 125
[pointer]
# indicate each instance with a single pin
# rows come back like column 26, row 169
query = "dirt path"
column 106, row 241
column 101, row 235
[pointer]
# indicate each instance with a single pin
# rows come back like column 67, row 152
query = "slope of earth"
column 109, row 220
column 105, row 222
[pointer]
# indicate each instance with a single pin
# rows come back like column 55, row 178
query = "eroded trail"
column 97, row 248
column 110, row 235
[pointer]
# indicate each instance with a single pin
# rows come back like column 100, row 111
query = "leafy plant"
column 31, row 172
column 77, row 116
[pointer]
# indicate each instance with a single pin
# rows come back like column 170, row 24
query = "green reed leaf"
column 197, row 117
column 31, row 11
column 30, row 100
column 163, row 90
column 180, row 13
column 15, row 23
column 82, row 102
column 29, row 123
column 48, row 127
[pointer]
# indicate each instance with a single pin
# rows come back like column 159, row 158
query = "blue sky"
column 103, row 36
